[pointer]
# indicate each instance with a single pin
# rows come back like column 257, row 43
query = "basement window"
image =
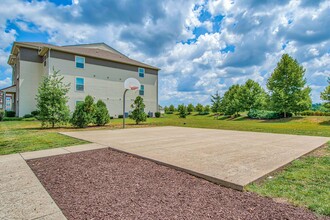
column 80, row 62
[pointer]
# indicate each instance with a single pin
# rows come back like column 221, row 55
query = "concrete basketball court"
column 230, row 158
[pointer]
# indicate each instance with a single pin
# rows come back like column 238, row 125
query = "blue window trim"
column 79, row 84
column 141, row 72
column 141, row 91
column 78, row 64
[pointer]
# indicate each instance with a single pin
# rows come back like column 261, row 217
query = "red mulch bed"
column 106, row 184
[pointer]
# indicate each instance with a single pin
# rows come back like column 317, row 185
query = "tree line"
column 287, row 94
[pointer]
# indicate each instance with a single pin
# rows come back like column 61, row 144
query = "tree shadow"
column 325, row 123
column 280, row 120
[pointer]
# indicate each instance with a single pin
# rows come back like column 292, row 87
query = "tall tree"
column 190, row 108
column 231, row 100
column 182, row 111
column 138, row 113
column 52, row 100
column 216, row 102
column 287, row 86
column 199, row 108
column 252, row 96
column 325, row 95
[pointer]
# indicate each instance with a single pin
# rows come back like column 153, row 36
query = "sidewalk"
column 22, row 196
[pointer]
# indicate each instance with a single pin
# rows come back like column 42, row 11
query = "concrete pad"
column 84, row 147
column 43, row 153
column 22, row 196
column 230, row 158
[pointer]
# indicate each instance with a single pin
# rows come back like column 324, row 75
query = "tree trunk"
column 284, row 114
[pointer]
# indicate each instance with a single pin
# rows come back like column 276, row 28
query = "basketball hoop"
column 129, row 84
column 132, row 84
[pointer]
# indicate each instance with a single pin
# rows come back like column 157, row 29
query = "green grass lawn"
column 305, row 182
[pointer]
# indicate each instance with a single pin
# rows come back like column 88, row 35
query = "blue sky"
column 201, row 46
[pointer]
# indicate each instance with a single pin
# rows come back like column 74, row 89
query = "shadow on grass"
column 325, row 123
column 281, row 120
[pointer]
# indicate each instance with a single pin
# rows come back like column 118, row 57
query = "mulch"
column 106, row 184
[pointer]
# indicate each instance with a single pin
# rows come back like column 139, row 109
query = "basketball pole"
column 124, row 107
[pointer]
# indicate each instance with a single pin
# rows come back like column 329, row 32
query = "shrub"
column 101, row 114
column 169, row 112
column 35, row 113
column 111, row 117
column 28, row 116
column 2, row 114
column 12, row 119
column 263, row 114
column 120, row 116
column 29, row 119
column 84, row 113
column 313, row 113
column 10, row 114
column 157, row 114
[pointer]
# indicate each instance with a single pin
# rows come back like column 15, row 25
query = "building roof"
column 98, row 50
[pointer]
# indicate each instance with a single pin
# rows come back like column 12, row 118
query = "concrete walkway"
column 22, row 196
column 230, row 158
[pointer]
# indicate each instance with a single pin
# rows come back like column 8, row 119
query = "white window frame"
column 144, row 72
column 75, row 83
column 75, row 63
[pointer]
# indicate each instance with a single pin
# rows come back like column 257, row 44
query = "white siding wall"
column 29, row 78
column 106, row 83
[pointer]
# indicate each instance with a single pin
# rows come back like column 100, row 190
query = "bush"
column 138, row 114
column 157, row 114
column 29, row 119
column 111, row 117
column 120, row 116
column 313, row 113
column 169, row 112
column 35, row 113
column 84, row 113
column 2, row 114
column 12, row 119
column 263, row 114
column 101, row 114
column 28, row 116
column 10, row 114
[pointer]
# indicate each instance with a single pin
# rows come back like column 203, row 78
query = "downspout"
column 49, row 61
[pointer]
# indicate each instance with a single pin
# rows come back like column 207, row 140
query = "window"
column 80, row 84
column 44, row 60
column 141, row 72
column 80, row 62
column 141, row 92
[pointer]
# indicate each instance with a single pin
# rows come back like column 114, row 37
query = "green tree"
column 325, row 95
column 287, row 86
column 252, row 96
column 84, row 113
column 182, row 111
column 231, row 100
column 207, row 109
column 190, row 108
column 166, row 109
column 138, row 113
column 216, row 102
column 171, row 108
column 199, row 108
column 101, row 114
column 52, row 101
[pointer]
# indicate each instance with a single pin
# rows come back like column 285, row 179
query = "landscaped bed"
column 105, row 184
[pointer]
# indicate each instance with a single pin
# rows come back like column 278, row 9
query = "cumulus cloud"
column 201, row 46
